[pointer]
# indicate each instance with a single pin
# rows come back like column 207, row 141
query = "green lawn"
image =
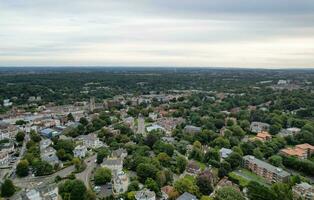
column 244, row 176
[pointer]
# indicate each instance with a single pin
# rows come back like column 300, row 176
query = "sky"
column 174, row 33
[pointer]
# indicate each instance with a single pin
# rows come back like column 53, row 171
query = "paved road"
column 29, row 182
column 22, row 152
column 86, row 174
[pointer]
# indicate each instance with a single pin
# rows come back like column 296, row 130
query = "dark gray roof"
column 187, row 196
column 112, row 162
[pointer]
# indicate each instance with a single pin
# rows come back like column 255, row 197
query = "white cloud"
column 157, row 33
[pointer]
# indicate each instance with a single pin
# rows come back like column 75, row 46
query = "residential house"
column 7, row 103
column 301, row 151
column 192, row 129
column 120, row 182
column 80, row 151
column 170, row 140
column 114, row 164
column 187, row 196
column 145, row 194
column 141, row 126
column 44, row 192
column 154, row 127
column 8, row 147
column 49, row 155
column 49, row 133
column 119, row 153
column 225, row 182
column 4, row 158
column 169, row 123
column 7, row 131
column 257, row 127
column 264, row 169
column 153, row 116
column 193, row 168
column 303, row 191
column 129, row 121
column 289, row 131
column 166, row 191
column 224, row 153
column 263, row 136
column 45, row 143
column 91, row 141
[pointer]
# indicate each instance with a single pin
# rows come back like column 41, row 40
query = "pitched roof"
column 187, row 196
column 266, row 165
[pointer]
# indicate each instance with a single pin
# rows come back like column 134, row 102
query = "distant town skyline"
column 174, row 33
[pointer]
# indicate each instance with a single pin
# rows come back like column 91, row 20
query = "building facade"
column 269, row 172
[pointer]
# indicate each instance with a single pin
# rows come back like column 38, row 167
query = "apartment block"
column 264, row 169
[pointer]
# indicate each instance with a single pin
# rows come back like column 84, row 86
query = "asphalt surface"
column 86, row 174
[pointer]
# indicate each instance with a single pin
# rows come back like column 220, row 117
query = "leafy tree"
column 131, row 195
column 234, row 160
column 187, row 184
column 228, row 193
column 275, row 160
column 7, row 188
column 221, row 142
column 282, row 191
column 35, row 136
column 212, row 154
column 20, row 136
column 146, row 170
column 152, row 185
column 62, row 155
column 224, row 169
column 257, row 153
column 134, row 186
column 78, row 164
column 42, row 168
column 67, row 145
column 205, row 182
column 275, row 128
column 163, row 147
column 101, row 154
column 102, row 176
column 22, row 168
column 257, row 191
column 83, row 121
column 70, row 117
column 73, row 190
column 151, row 139
column 197, row 154
column 164, row 159
column 181, row 163
column 20, row 122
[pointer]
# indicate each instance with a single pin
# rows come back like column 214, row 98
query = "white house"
column 154, row 127
column 4, row 158
column 91, row 141
column 120, row 183
column 224, row 153
column 257, row 127
column 153, row 116
column 80, row 151
column 145, row 194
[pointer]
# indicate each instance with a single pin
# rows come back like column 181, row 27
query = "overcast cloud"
column 226, row 33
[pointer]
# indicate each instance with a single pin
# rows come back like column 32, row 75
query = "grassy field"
column 244, row 176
